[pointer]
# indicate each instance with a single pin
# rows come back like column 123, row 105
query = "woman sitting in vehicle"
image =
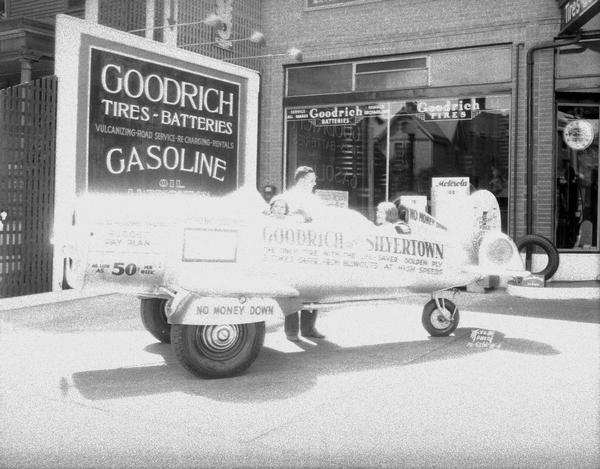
column 386, row 215
column 280, row 209
column 386, row 218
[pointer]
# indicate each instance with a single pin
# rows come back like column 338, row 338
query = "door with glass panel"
column 576, row 193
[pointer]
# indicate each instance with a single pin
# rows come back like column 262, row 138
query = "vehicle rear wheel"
column 154, row 318
column 217, row 351
column 440, row 323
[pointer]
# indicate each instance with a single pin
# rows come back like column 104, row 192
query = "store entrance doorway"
column 576, row 200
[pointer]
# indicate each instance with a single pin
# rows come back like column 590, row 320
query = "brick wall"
column 37, row 9
column 399, row 27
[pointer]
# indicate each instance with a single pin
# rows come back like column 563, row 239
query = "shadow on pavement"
column 576, row 310
column 276, row 375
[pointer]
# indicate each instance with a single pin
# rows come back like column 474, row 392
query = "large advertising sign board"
column 154, row 127
column 137, row 116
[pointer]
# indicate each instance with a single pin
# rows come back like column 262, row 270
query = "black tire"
column 154, row 319
column 438, row 323
column 218, row 351
column 529, row 242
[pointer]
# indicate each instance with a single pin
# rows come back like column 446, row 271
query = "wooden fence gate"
column 27, row 160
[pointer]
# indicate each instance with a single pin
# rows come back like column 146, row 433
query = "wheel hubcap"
column 223, row 335
column 439, row 319
column 219, row 337
column 220, row 342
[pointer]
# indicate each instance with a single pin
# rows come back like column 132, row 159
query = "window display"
column 381, row 151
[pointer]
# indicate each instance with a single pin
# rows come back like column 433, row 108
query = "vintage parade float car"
column 210, row 271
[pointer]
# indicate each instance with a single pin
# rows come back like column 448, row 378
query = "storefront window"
column 576, row 206
column 343, row 156
column 381, row 151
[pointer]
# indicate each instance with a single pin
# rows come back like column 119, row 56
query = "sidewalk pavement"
column 585, row 290
column 38, row 299
column 589, row 290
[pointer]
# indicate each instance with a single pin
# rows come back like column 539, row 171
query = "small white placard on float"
column 448, row 197
column 418, row 202
column 333, row 198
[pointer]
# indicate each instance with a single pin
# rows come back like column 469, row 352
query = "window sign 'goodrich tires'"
column 157, row 128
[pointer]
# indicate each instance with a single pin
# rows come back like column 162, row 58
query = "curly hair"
column 390, row 210
column 279, row 199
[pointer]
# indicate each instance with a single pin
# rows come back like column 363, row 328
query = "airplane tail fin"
column 491, row 252
column 484, row 217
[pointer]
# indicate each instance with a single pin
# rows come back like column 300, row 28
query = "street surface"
column 518, row 385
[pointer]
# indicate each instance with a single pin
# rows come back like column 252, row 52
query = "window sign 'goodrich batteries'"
column 154, row 128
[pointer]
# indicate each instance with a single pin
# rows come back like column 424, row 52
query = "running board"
column 350, row 303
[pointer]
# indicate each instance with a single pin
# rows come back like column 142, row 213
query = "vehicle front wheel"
column 440, row 323
column 217, row 351
column 154, row 318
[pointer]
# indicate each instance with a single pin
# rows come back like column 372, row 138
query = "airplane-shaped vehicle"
column 211, row 271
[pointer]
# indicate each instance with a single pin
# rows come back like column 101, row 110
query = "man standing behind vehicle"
column 301, row 200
